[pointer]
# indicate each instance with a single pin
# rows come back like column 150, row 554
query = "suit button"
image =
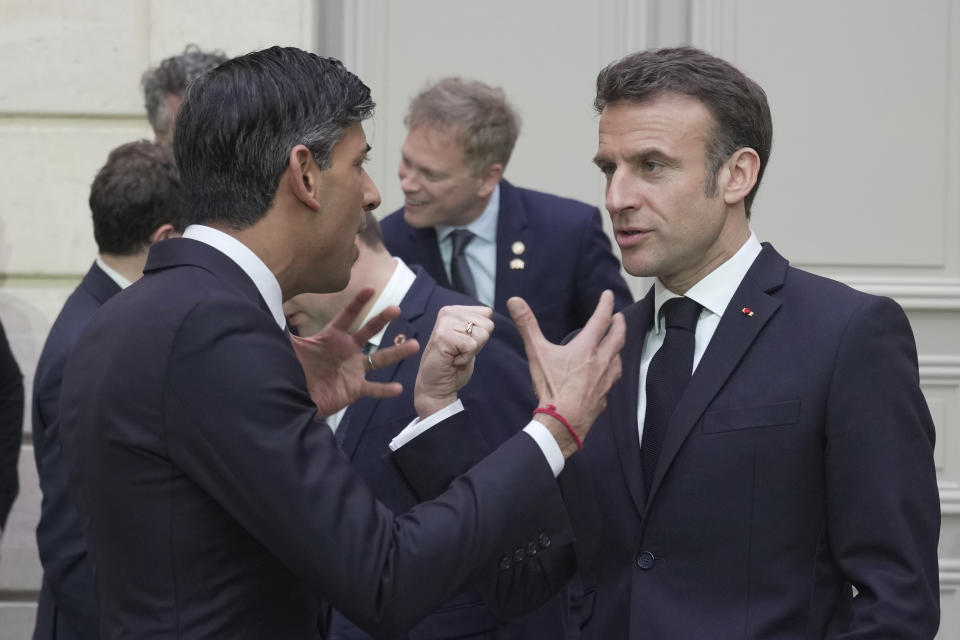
column 518, row 554
column 505, row 563
column 532, row 549
column 544, row 541
column 645, row 560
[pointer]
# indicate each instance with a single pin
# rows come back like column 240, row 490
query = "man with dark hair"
column 163, row 86
column 478, row 234
column 218, row 504
column 499, row 396
column 135, row 201
column 786, row 487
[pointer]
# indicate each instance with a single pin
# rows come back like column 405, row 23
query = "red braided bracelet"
column 551, row 410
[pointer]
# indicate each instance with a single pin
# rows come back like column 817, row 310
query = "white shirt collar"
column 484, row 227
column 247, row 260
column 715, row 291
column 115, row 275
column 397, row 287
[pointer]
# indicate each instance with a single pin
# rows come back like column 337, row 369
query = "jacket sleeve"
column 279, row 473
column 882, row 498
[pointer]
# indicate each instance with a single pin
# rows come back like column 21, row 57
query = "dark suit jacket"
column 68, row 606
column 11, row 426
column 799, row 462
column 218, row 506
column 500, row 399
column 567, row 257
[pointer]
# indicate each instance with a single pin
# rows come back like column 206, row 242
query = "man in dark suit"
column 135, row 201
column 478, row 234
column 787, row 488
column 499, row 396
column 217, row 504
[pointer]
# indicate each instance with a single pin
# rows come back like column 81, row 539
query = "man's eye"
column 652, row 167
column 607, row 169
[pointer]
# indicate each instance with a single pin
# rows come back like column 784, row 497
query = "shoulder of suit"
column 558, row 208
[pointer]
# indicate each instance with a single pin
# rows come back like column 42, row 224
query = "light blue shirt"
column 481, row 253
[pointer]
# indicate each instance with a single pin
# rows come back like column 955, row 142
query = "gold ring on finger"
column 469, row 329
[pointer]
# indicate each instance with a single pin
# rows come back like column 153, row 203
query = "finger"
column 459, row 347
column 348, row 315
column 526, row 323
column 375, row 324
column 600, row 320
column 389, row 355
column 613, row 342
column 380, row 389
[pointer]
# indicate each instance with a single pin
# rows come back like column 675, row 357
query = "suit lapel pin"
column 518, row 248
column 747, row 311
column 399, row 339
column 517, row 263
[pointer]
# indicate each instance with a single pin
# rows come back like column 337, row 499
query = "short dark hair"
column 136, row 192
column 738, row 105
column 172, row 76
column 478, row 113
column 239, row 122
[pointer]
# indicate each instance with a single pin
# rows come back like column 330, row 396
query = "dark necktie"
column 460, row 275
column 670, row 371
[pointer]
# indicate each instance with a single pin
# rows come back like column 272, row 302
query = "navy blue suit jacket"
column 217, row 504
column 567, row 258
column 500, row 399
column 68, row 606
column 798, row 463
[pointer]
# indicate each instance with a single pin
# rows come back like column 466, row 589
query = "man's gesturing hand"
column 334, row 364
column 577, row 376
column 447, row 361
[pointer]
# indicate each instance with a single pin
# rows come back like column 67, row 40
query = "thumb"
column 525, row 320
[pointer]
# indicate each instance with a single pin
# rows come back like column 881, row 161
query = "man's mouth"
column 627, row 237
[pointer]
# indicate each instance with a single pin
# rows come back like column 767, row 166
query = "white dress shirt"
column 714, row 294
column 481, row 252
column 115, row 275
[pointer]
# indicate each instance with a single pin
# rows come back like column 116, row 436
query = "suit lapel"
column 423, row 243
column 511, row 227
column 623, row 411
column 733, row 337
column 359, row 415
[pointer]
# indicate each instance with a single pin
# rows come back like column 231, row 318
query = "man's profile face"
column 345, row 192
column 438, row 186
column 653, row 155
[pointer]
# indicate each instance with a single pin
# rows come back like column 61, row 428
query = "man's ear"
column 163, row 232
column 301, row 177
column 741, row 171
column 489, row 179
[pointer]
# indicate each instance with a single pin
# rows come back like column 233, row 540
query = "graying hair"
column 172, row 76
column 478, row 113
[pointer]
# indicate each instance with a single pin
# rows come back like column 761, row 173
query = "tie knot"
column 682, row 313
column 460, row 238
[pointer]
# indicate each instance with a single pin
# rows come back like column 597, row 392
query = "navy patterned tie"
column 460, row 274
column 670, row 371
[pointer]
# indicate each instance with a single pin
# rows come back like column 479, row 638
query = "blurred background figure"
column 11, row 427
column 135, row 201
column 164, row 84
column 478, row 234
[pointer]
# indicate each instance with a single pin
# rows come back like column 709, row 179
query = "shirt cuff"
column 418, row 426
column 547, row 443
